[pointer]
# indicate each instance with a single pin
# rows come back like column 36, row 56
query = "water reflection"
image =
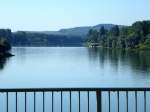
column 139, row 61
column 3, row 61
column 75, row 67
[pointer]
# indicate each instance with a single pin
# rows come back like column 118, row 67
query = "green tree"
column 115, row 31
column 102, row 31
column 135, row 36
column 4, row 45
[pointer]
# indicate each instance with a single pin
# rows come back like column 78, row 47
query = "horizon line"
column 71, row 27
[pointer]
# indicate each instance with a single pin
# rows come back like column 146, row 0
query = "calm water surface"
column 75, row 67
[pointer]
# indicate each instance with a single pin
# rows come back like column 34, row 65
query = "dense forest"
column 38, row 39
column 4, row 47
column 63, row 37
column 136, row 36
column 22, row 38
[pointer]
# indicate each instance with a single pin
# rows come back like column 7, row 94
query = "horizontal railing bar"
column 70, row 89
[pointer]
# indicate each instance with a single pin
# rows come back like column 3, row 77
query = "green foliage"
column 93, row 36
column 144, row 47
column 147, row 40
column 4, row 45
column 38, row 39
column 115, row 31
column 136, row 36
column 22, row 38
column 5, row 38
column 102, row 31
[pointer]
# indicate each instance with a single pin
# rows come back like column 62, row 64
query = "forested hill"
column 22, row 38
column 40, row 39
column 64, row 37
column 136, row 36
column 77, row 31
column 83, row 31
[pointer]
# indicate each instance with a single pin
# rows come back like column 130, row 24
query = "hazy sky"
column 57, row 14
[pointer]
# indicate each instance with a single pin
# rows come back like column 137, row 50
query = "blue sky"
column 48, row 15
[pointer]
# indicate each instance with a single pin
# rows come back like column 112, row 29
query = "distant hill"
column 76, row 31
column 82, row 31
column 64, row 37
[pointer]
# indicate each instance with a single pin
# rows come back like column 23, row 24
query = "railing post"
column 7, row 101
column 99, row 100
column 88, row 101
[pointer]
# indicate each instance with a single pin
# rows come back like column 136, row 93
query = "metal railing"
column 46, row 97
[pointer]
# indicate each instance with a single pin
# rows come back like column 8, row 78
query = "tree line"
column 39, row 39
column 136, row 36
column 22, row 38
column 4, row 47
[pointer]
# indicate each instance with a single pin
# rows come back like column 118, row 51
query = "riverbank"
column 97, row 45
column 136, row 36
column 6, row 55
